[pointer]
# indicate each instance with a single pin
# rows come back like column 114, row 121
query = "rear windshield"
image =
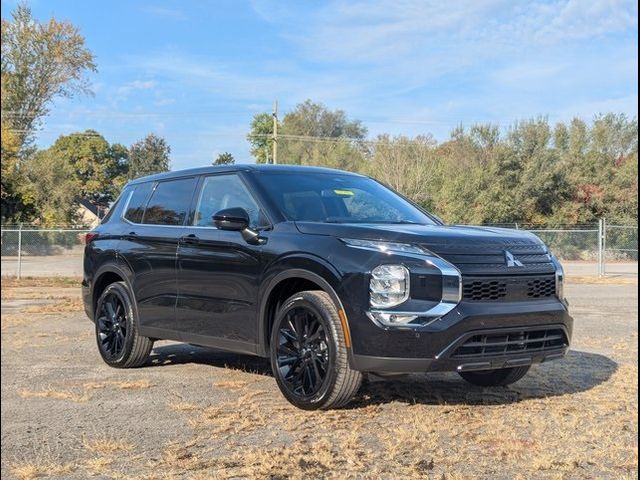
column 336, row 198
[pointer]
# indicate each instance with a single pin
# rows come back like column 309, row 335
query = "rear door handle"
column 191, row 239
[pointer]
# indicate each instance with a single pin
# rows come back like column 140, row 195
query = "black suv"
column 328, row 273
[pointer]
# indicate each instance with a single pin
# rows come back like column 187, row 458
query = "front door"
column 218, row 271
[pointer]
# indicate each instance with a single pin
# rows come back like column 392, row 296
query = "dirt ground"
column 197, row 413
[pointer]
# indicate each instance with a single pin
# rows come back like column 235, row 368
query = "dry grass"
column 134, row 384
column 23, row 293
column 485, row 432
column 593, row 279
column 183, row 407
column 122, row 385
column 106, row 445
column 98, row 465
column 40, row 282
column 55, row 394
column 232, row 384
column 66, row 305
column 13, row 320
column 29, row 471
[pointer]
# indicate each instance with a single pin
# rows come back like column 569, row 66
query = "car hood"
column 474, row 250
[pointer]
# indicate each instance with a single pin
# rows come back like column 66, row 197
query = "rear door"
column 218, row 271
column 155, row 218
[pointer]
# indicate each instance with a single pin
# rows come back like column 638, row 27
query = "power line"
column 406, row 141
column 116, row 114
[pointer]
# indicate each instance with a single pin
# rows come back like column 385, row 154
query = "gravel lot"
column 196, row 413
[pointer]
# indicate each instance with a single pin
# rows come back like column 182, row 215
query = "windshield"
column 336, row 198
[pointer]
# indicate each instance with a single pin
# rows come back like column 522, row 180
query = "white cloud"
column 129, row 87
column 167, row 12
column 253, row 83
column 437, row 32
column 578, row 19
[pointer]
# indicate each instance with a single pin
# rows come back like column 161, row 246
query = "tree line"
column 532, row 172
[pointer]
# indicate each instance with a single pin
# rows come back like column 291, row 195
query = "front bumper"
column 435, row 347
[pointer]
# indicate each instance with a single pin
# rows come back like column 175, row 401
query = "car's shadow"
column 577, row 372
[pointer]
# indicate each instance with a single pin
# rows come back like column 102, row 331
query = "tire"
column 117, row 336
column 309, row 357
column 495, row 378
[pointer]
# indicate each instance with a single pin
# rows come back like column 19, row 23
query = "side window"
column 135, row 207
column 118, row 205
column 226, row 191
column 169, row 202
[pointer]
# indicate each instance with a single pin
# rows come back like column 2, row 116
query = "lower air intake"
column 507, row 343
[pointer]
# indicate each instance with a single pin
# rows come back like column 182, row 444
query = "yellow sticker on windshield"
column 344, row 193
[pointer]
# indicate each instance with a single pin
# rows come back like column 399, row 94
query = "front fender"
column 305, row 266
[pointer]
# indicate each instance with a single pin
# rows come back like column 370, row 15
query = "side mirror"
column 234, row 219
column 237, row 220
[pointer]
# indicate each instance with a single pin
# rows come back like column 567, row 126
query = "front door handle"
column 191, row 239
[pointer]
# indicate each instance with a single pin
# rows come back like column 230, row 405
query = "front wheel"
column 308, row 353
column 495, row 378
column 119, row 342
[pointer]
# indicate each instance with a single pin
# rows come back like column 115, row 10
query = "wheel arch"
column 107, row 274
column 309, row 274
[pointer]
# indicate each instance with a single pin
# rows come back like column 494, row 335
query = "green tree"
column 148, row 156
column 260, row 137
column 311, row 134
column 224, row 159
column 99, row 169
column 17, row 204
column 40, row 61
column 405, row 164
column 53, row 187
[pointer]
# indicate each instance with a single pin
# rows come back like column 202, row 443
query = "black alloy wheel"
column 119, row 342
column 112, row 325
column 309, row 353
column 303, row 352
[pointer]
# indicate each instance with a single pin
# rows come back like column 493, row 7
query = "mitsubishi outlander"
column 329, row 274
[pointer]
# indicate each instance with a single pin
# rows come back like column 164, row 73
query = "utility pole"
column 275, row 132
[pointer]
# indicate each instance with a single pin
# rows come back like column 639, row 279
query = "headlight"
column 389, row 286
column 386, row 247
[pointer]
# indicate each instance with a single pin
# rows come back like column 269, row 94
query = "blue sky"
column 196, row 72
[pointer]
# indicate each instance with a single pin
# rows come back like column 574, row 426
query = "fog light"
column 389, row 286
column 391, row 318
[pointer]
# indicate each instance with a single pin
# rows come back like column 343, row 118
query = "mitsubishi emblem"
column 511, row 261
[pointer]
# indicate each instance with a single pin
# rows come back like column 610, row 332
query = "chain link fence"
column 594, row 249
column 32, row 251
column 620, row 246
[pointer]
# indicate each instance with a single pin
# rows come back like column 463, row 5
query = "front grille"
column 489, row 259
column 541, row 287
column 484, row 290
column 508, row 289
column 507, row 343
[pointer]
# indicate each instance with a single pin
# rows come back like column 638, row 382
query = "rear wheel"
column 117, row 336
column 495, row 378
column 308, row 353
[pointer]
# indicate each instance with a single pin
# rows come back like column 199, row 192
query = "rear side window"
column 115, row 211
column 169, row 202
column 135, row 207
